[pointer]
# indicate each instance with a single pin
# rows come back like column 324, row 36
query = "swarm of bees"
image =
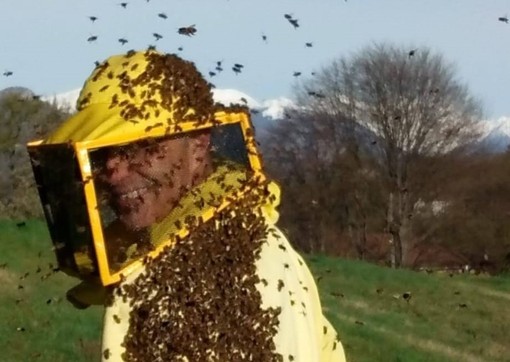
column 192, row 30
column 183, row 293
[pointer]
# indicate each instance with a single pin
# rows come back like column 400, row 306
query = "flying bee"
column 294, row 23
column 187, row 30
column 123, row 41
column 92, row 38
column 157, row 36
column 163, row 16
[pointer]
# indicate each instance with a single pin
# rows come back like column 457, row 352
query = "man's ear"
column 200, row 143
column 199, row 154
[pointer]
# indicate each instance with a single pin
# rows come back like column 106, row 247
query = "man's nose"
column 117, row 168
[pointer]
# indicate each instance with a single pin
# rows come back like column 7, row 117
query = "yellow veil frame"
column 82, row 148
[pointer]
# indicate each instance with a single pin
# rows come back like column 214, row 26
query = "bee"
column 90, row 39
column 280, row 284
column 106, row 353
column 157, row 36
column 93, row 18
column 187, row 30
column 294, row 23
column 163, row 16
column 123, row 41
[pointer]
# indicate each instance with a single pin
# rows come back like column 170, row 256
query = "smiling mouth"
column 133, row 194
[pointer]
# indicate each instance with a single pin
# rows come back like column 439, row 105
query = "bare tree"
column 326, row 178
column 413, row 104
column 23, row 118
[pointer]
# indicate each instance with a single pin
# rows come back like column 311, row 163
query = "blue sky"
column 44, row 42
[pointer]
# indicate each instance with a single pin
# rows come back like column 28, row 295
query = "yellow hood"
column 124, row 100
column 135, row 92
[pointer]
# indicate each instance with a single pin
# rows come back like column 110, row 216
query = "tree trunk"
column 405, row 240
column 404, row 225
column 394, row 227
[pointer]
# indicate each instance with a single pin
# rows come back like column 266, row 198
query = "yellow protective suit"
column 303, row 334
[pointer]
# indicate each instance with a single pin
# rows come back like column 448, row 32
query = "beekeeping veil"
column 129, row 103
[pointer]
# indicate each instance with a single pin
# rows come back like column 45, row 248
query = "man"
column 230, row 288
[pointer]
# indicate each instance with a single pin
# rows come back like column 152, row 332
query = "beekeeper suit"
column 205, row 274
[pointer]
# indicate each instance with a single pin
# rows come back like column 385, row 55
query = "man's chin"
column 134, row 222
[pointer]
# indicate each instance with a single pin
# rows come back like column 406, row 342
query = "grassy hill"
column 459, row 318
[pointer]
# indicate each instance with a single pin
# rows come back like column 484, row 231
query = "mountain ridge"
column 494, row 134
column 270, row 108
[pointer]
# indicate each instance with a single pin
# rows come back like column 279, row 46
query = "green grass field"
column 459, row 318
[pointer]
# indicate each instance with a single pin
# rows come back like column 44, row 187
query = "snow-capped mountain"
column 271, row 108
column 495, row 135
column 64, row 100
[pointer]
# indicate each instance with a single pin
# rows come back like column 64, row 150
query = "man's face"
column 146, row 180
